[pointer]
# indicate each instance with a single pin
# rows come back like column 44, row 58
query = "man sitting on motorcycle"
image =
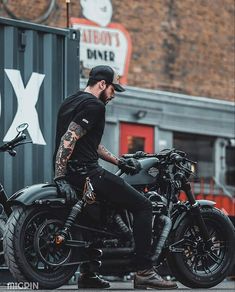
column 80, row 125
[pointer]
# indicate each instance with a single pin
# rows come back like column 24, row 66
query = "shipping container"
column 39, row 67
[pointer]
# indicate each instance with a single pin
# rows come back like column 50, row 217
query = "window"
column 136, row 137
column 199, row 148
column 135, row 144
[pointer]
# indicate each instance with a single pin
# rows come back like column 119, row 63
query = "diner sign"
column 109, row 45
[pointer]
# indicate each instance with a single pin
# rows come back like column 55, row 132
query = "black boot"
column 150, row 279
column 91, row 280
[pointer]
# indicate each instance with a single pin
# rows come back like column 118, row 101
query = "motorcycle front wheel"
column 29, row 251
column 199, row 264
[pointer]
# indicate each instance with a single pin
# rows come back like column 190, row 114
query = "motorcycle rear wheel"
column 197, row 266
column 22, row 259
column 2, row 228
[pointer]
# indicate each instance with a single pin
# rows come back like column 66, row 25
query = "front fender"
column 180, row 217
column 35, row 194
column 206, row 203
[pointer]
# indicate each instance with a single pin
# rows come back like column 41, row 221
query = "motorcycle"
column 46, row 239
column 5, row 209
column 2, row 227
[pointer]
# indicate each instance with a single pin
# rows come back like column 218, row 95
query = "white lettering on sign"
column 27, row 98
column 105, row 38
column 104, row 45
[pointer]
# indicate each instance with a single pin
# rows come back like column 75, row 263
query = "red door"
column 135, row 137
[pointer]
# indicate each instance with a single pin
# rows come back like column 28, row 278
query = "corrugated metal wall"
column 39, row 67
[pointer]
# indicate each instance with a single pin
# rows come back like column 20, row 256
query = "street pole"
column 67, row 12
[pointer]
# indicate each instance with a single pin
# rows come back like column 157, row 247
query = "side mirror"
column 22, row 127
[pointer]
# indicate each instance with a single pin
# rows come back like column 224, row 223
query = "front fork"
column 196, row 211
column 3, row 201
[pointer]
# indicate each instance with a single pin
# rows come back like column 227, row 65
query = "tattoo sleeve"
column 66, row 147
column 106, row 155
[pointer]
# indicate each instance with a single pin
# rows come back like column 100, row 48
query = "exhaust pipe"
column 111, row 260
column 108, row 253
column 93, row 253
column 116, row 252
column 112, row 266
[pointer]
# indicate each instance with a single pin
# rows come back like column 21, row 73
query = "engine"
column 159, row 202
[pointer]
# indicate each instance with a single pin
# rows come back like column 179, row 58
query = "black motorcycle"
column 45, row 239
column 2, row 228
column 5, row 209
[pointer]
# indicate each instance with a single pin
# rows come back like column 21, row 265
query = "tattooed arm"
column 66, row 147
column 106, row 155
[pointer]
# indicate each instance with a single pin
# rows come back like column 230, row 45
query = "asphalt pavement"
column 128, row 286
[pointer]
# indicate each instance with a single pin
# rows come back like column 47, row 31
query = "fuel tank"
column 147, row 174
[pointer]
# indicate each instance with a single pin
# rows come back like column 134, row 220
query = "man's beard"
column 103, row 97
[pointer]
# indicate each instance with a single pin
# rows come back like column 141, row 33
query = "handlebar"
column 141, row 154
column 17, row 140
column 136, row 155
column 10, row 145
column 168, row 156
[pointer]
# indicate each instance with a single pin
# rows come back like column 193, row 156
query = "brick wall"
column 182, row 46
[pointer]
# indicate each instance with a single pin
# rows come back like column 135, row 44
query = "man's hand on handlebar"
column 129, row 166
column 140, row 154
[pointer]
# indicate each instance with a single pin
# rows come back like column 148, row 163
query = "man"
column 80, row 125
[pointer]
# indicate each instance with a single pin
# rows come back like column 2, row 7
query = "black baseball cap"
column 103, row 72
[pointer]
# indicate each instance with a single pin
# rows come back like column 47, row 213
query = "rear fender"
column 36, row 194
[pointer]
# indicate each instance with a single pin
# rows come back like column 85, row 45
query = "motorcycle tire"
column 2, row 228
column 21, row 257
column 194, row 266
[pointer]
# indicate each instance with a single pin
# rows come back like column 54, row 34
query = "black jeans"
column 114, row 189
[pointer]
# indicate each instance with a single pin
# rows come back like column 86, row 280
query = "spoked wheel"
column 30, row 249
column 51, row 253
column 199, row 264
column 204, row 258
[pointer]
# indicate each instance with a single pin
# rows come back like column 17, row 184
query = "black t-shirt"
column 87, row 111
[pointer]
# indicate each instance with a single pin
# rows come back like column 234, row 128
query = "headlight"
column 189, row 168
column 193, row 168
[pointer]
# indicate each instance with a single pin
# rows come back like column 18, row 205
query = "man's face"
column 107, row 94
